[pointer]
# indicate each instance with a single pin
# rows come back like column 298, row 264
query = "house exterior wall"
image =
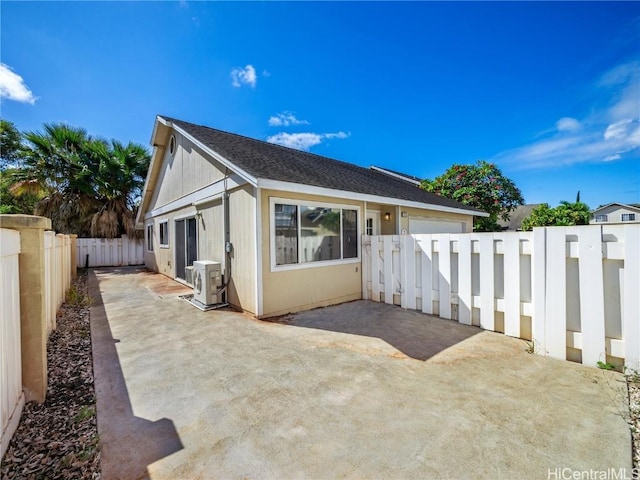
column 186, row 171
column 614, row 214
column 242, row 213
column 305, row 288
column 183, row 173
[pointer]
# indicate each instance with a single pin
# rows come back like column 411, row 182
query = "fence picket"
column 591, row 294
column 538, row 287
column 426, row 258
column 630, row 297
column 375, row 268
column 487, row 287
column 556, row 293
column 409, row 272
column 388, row 270
column 512, row 285
column 444, row 267
column 464, row 280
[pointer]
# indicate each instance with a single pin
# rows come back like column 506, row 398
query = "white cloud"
column 303, row 141
column 12, row 86
column 284, row 119
column 567, row 124
column 244, row 76
column 606, row 135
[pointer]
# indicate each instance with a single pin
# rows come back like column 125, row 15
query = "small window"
column 164, row 234
column 149, row 238
column 602, row 218
column 172, row 144
column 628, row 217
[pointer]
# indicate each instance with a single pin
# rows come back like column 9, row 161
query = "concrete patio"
column 360, row 390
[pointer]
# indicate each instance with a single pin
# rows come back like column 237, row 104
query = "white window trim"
column 163, row 245
column 628, row 215
column 601, row 217
column 309, row 203
column 149, row 238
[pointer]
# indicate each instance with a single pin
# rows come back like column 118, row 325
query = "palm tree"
column 120, row 181
column 87, row 186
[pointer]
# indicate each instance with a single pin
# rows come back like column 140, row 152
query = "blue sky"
column 549, row 91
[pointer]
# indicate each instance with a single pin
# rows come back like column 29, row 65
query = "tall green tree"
column 565, row 214
column 482, row 186
column 10, row 144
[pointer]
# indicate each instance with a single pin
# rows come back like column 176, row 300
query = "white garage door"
column 423, row 225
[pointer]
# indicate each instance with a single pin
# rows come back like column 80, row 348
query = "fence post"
column 631, row 299
column 73, row 255
column 33, row 325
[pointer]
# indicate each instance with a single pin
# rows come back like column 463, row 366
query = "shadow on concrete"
column 128, row 444
column 415, row 334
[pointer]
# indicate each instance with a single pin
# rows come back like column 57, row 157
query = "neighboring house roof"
column 400, row 175
column 258, row 160
column 517, row 216
column 629, row 206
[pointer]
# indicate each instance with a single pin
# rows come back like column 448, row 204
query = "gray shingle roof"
column 273, row 162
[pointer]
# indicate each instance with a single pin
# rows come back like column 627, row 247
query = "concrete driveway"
column 360, row 390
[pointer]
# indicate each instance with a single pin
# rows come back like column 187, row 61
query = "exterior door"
column 186, row 245
column 372, row 223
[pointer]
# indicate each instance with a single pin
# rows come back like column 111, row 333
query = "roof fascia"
column 395, row 175
column 330, row 192
column 631, row 207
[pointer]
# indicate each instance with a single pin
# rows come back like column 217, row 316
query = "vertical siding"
column 243, row 259
column 187, row 171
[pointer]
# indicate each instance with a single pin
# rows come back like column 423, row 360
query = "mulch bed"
column 59, row 439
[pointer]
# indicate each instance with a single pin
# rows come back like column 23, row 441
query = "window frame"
column 149, row 232
column 311, row 204
column 631, row 217
column 164, row 222
column 601, row 218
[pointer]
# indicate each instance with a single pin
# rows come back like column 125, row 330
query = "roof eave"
column 330, row 192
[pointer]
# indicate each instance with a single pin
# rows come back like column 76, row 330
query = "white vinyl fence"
column 57, row 267
column 574, row 291
column 57, row 280
column 111, row 252
column 11, row 396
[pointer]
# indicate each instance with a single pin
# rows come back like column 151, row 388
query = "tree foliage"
column 10, row 143
column 85, row 185
column 565, row 214
column 481, row 186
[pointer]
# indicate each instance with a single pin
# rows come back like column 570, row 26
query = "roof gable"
column 261, row 160
column 623, row 205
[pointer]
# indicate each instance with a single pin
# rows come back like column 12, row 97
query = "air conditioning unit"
column 188, row 275
column 207, row 279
